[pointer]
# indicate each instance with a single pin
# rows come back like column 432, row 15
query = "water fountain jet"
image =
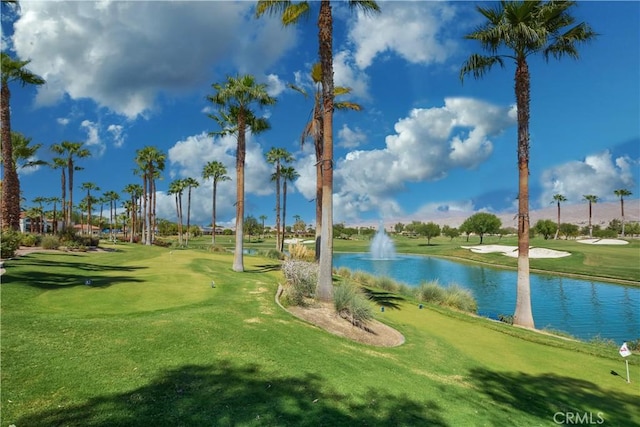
column 382, row 247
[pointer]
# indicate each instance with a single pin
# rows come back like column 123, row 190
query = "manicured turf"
column 150, row 342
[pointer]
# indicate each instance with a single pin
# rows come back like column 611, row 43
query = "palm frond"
column 479, row 65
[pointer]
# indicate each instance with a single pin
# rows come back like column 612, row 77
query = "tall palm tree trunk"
column 622, row 212
column 325, row 38
column 523, row 314
column 284, row 213
column 213, row 214
column 188, row 214
column 10, row 211
column 318, row 199
column 238, row 256
column 278, row 239
column 558, row 228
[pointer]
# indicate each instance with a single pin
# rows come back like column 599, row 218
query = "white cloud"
column 346, row 74
column 63, row 121
column 413, row 30
column 349, row 138
column 123, row 54
column 597, row 174
column 118, row 136
column 187, row 159
column 426, row 146
column 93, row 141
column 275, row 86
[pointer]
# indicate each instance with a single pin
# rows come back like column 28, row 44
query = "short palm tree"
column 291, row 12
column 189, row 183
column 263, row 218
column 70, row 151
column 89, row 186
column 11, row 70
column 176, row 188
column 289, row 174
column 112, row 197
column 218, row 173
column 54, row 219
column 135, row 192
column 622, row 193
column 515, row 31
column 40, row 201
column 591, row 199
column 235, row 99
column 278, row 157
column 558, row 198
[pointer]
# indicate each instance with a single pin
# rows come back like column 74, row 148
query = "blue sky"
column 122, row 75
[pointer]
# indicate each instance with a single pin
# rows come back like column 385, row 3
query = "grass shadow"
column 545, row 395
column 264, row 268
column 383, row 298
column 227, row 395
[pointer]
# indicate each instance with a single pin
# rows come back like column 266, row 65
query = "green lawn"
column 152, row 343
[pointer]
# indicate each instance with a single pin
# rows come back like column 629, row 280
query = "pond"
column 583, row 308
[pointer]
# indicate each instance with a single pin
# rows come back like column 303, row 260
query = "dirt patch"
column 324, row 316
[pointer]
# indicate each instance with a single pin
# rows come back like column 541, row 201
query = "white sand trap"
column 512, row 251
column 603, row 241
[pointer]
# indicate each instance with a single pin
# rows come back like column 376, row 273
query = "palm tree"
column 288, row 174
column 12, row 70
column 23, row 153
column 40, row 200
column 150, row 162
column 234, row 100
column 278, row 156
column 112, row 197
column 263, row 218
column 70, row 151
column 291, row 13
column 591, row 199
column 517, row 30
column 189, row 184
column 55, row 201
column 176, row 188
column 558, row 198
column 135, row 192
column 622, row 193
column 313, row 130
column 89, row 186
column 218, row 173
column 60, row 163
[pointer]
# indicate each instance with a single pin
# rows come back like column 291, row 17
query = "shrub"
column 385, row 283
column 217, row 248
column 431, row 292
column 89, row 241
column 362, row 278
column 301, row 252
column 162, row 243
column 68, row 234
column 50, row 242
column 76, row 246
column 272, row 254
column 343, row 272
column 460, row 298
column 9, row 243
column 350, row 303
column 29, row 240
column 301, row 278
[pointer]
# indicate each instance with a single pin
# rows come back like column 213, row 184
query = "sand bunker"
column 603, row 241
column 512, row 251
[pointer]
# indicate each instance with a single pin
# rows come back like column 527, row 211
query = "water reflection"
column 585, row 309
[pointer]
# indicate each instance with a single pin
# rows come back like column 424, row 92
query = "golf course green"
column 138, row 336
